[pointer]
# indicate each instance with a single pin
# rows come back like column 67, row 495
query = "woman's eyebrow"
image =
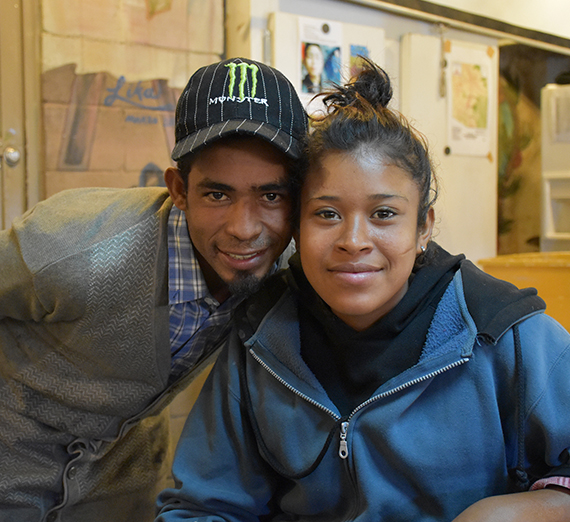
column 374, row 197
column 386, row 196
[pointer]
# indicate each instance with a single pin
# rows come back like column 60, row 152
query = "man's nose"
column 244, row 221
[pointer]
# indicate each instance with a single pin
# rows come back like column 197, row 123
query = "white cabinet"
column 555, row 115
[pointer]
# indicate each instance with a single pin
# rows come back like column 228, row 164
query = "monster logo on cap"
column 243, row 74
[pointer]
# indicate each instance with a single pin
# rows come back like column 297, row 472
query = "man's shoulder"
column 74, row 220
column 84, row 207
column 93, row 200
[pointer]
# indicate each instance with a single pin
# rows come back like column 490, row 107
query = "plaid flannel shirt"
column 197, row 320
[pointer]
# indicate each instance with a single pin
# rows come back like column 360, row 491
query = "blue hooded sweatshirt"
column 483, row 412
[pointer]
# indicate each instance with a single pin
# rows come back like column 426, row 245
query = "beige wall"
column 112, row 71
column 124, row 37
column 546, row 16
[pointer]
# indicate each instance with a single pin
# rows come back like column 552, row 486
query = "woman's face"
column 358, row 236
column 314, row 61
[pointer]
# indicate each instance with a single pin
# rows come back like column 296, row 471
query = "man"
column 111, row 301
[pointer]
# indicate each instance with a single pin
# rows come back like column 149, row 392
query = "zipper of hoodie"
column 344, row 425
column 291, row 388
column 334, row 415
column 343, row 451
column 343, row 446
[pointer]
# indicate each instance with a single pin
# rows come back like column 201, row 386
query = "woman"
column 380, row 378
column 313, row 62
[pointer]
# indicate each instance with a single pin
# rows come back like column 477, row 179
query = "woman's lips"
column 354, row 273
column 354, row 268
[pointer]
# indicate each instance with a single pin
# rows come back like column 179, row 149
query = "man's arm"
column 551, row 504
column 17, row 296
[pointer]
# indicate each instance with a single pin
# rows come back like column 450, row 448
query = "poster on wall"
column 321, row 55
column 468, row 99
column 357, row 52
column 557, row 99
column 314, row 52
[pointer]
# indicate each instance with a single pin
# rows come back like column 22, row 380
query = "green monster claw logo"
column 241, row 70
column 243, row 78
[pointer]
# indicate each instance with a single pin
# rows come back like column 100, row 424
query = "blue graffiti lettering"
column 148, row 120
column 133, row 93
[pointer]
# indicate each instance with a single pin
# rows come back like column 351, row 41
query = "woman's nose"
column 355, row 236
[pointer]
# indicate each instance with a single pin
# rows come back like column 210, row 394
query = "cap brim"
column 282, row 140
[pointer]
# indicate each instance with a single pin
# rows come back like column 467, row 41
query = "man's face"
column 237, row 207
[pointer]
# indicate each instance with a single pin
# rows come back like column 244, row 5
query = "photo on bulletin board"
column 357, row 52
column 320, row 67
column 321, row 55
column 339, row 45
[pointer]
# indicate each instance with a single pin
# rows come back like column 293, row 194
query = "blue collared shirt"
column 197, row 319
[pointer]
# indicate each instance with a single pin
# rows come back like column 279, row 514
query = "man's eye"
column 272, row 196
column 218, row 196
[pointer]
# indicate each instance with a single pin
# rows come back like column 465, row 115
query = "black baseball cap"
column 239, row 96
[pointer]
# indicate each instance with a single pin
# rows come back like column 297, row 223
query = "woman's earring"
column 423, row 249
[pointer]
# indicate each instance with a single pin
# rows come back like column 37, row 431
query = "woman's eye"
column 328, row 214
column 383, row 214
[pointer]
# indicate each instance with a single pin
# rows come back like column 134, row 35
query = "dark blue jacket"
column 264, row 441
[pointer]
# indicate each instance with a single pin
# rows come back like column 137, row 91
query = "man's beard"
column 245, row 284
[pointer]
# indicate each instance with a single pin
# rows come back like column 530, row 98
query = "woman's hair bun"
column 371, row 84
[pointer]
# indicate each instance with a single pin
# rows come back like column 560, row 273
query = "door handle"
column 11, row 156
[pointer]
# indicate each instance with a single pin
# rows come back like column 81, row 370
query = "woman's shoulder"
column 495, row 305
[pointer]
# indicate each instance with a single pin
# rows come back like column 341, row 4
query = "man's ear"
column 176, row 187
